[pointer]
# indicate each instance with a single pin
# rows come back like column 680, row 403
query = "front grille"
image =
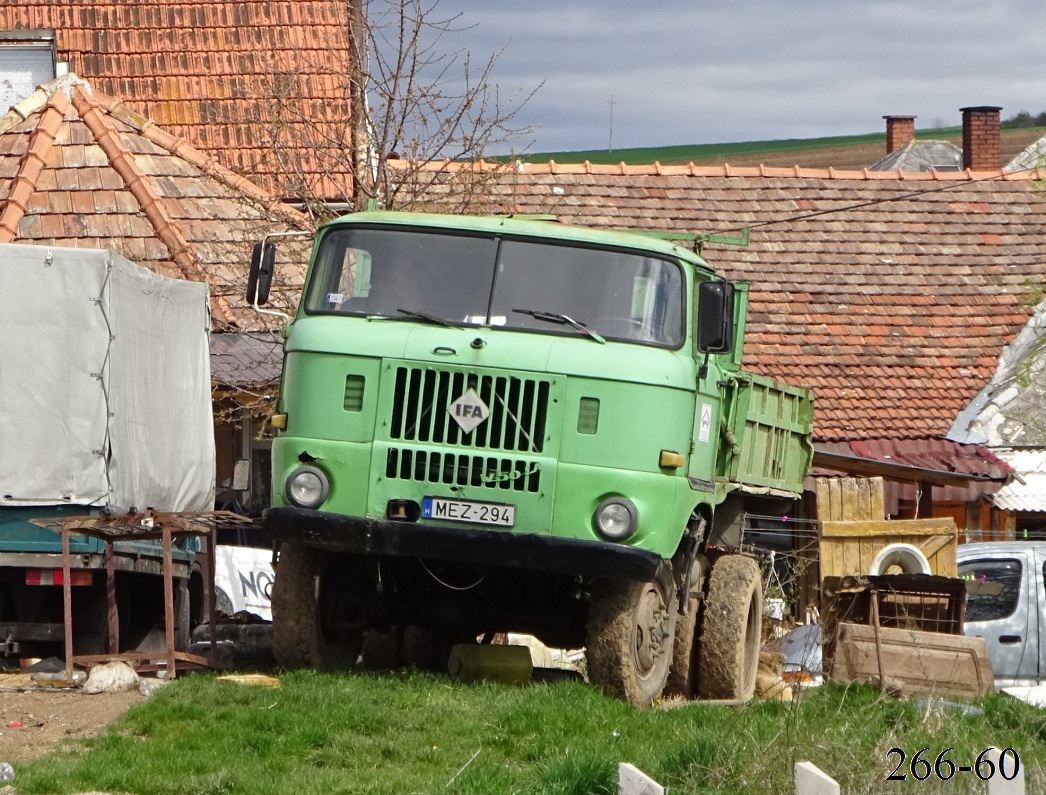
column 518, row 409
column 462, row 469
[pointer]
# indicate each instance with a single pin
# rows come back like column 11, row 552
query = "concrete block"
column 633, row 781
column 997, row 785
column 811, row 780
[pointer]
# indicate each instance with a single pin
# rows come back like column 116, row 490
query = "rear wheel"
column 629, row 636
column 682, row 674
column 732, row 623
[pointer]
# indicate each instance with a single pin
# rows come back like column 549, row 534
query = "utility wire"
column 872, row 203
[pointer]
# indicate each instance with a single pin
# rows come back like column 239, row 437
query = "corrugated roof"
column 891, row 293
column 1027, row 492
column 79, row 168
column 939, row 455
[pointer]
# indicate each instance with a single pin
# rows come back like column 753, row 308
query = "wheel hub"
column 651, row 629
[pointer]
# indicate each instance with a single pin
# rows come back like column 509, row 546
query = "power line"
column 874, row 202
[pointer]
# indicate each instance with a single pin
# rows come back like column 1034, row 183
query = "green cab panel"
column 663, row 504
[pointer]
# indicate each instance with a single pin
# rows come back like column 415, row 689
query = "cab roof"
column 524, row 226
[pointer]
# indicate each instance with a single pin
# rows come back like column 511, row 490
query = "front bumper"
column 469, row 545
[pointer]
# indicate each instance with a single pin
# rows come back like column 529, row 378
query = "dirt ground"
column 36, row 722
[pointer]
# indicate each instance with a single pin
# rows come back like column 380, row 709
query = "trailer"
column 106, row 391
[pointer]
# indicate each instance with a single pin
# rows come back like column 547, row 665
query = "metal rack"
column 139, row 526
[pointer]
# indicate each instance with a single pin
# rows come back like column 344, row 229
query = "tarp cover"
column 104, row 383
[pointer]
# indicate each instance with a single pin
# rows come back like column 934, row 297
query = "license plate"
column 468, row 511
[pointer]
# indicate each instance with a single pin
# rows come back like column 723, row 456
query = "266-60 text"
column 923, row 765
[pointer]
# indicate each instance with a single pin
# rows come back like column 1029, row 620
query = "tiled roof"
column 891, row 293
column 209, row 71
column 78, row 168
column 248, row 359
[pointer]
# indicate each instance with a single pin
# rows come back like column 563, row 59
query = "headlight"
column 615, row 519
column 307, row 487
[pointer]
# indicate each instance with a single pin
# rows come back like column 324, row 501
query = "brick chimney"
column 900, row 131
column 981, row 148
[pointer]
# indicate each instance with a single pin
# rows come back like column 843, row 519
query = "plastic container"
column 7, row 773
column 471, row 662
column 59, row 679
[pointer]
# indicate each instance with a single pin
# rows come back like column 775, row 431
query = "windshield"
column 465, row 280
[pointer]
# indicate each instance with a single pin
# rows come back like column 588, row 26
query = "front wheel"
column 730, row 640
column 629, row 636
column 316, row 616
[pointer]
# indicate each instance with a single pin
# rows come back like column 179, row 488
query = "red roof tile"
column 210, row 70
column 81, row 169
column 893, row 298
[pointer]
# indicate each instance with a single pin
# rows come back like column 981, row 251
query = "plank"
column 886, row 528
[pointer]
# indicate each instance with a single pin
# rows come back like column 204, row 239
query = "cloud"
column 683, row 73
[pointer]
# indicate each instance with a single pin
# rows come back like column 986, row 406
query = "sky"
column 616, row 74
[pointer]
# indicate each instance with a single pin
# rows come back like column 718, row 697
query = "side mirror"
column 259, row 279
column 715, row 317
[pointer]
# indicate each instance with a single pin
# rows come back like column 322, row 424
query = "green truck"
column 501, row 424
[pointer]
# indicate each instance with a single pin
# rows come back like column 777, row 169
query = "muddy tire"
column 316, row 621
column 294, row 606
column 629, row 636
column 682, row 674
column 732, row 623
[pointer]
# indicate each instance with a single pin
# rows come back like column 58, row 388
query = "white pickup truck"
column 1006, row 605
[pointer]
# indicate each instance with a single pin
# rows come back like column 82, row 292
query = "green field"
column 701, row 152
column 843, row 152
column 405, row 733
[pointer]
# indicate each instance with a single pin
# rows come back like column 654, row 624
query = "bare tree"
column 405, row 102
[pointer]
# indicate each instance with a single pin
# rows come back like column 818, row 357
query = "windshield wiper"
column 410, row 314
column 557, row 317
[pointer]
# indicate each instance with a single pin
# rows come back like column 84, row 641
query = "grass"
column 413, row 733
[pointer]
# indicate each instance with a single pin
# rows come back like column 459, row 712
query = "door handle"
column 1009, row 638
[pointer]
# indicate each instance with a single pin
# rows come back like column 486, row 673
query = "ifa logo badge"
column 468, row 411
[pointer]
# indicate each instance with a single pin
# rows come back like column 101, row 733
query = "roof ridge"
column 89, row 105
column 180, row 147
column 31, row 165
column 691, row 169
column 123, row 162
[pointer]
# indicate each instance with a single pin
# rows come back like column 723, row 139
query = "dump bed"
column 767, row 435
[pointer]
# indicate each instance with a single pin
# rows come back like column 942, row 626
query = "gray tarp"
column 104, row 383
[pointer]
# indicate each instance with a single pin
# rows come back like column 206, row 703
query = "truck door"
column 1003, row 609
